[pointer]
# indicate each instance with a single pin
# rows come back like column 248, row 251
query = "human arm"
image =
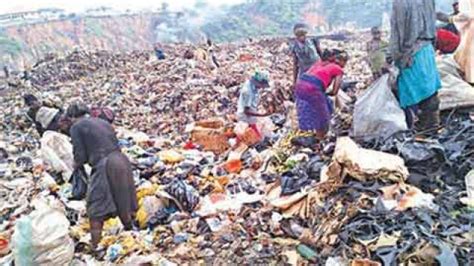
column 337, row 85
column 317, row 44
column 248, row 112
column 295, row 69
column 79, row 149
column 442, row 17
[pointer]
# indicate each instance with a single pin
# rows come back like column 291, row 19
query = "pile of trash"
column 205, row 199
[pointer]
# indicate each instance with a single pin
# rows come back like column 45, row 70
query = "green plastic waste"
column 306, row 252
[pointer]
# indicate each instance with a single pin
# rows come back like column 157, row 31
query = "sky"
column 8, row 6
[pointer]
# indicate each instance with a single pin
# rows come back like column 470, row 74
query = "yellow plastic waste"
column 171, row 156
column 111, row 223
column 129, row 244
column 142, row 217
column 108, row 241
column 146, row 191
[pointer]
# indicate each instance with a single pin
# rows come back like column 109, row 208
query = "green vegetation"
column 94, row 26
column 263, row 17
column 9, row 46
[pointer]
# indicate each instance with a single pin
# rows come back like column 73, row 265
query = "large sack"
column 364, row 164
column 56, row 151
column 456, row 92
column 42, row 238
column 377, row 112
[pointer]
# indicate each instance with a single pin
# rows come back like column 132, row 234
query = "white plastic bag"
column 377, row 112
column 456, row 92
column 42, row 238
column 56, row 151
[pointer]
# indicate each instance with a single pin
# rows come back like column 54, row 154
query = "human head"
column 31, row 101
column 342, row 58
column 65, row 124
column 261, row 79
column 188, row 54
column 456, row 7
column 300, row 30
column 329, row 55
column 76, row 110
column 376, row 33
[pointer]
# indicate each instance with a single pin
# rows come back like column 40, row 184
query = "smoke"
column 186, row 25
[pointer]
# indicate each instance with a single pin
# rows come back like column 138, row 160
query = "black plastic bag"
column 304, row 141
column 293, row 181
column 79, row 183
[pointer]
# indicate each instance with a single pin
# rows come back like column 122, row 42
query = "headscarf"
column 45, row 116
column 104, row 113
column 261, row 76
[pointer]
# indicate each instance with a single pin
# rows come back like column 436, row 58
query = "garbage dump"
column 205, row 198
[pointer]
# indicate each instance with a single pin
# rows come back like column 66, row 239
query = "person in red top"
column 313, row 105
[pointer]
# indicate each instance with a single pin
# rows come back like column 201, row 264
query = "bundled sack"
column 42, row 237
column 56, row 151
column 364, row 164
column 455, row 91
column 377, row 112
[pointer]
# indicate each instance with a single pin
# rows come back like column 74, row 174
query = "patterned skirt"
column 313, row 105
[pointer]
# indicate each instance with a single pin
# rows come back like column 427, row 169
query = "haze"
column 78, row 6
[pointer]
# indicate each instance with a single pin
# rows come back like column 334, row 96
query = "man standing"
column 305, row 50
column 247, row 110
column 413, row 32
column 376, row 49
column 448, row 18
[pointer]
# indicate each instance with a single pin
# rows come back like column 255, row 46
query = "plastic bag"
column 364, row 164
column 79, row 183
column 456, row 92
column 42, row 238
column 186, row 196
column 293, row 181
column 56, row 151
column 377, row 112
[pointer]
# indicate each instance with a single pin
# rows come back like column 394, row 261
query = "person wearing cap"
column 377, row 50
column 306, row 51
column 249, row 99
column 313, row 106
column 45, row 118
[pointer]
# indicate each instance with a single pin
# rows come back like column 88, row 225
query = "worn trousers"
column 428, row 114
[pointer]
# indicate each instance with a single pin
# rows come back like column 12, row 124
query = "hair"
column 300, row 28
column 343, row 55
column 188, row 54
column 30, row 99
column 76, row 110
column 326, row 54
column 374, row 30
